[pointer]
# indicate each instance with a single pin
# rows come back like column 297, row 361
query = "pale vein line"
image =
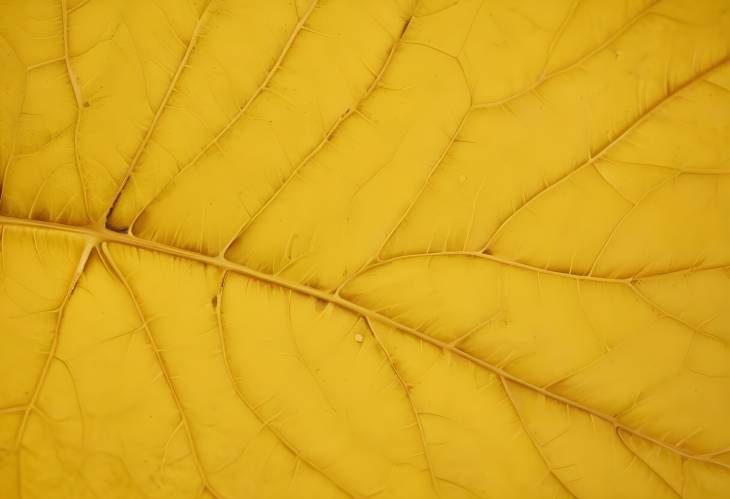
column 474, row 107
column 109, row 236
column 305, row 161
column 629, row 281
column 607, row 147
column 532, row 437
column 79, row 106
column 14, row 409
column 662, row 311
column 620, row 437
column 615, row 36
column 685, row 170
column 684, row 271
column 85, row 254
column 78, row 6
column 375, row 259
column 424, row 185
column 412, row 404
column 216, row 140
column 558, row 273
column 11, row 155
column 478, row 106
column 224, row 351
column 488, row 257
column 625, row 217
column 162, row 365
column 13, row 144
column 48, row 62
column 71, row 75
column 558, row 35
column 718, row 452
column 155, row 119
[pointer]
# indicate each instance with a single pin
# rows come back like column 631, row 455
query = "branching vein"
column 109, row 236
column 162, row 365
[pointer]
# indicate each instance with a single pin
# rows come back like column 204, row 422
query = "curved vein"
column 474, row 107
column 375, row 259
column 352, row 110
column 491, row 258
column 558, row 273
column 78, row 99
column 559, row 35
column 107, row 236
column 11, row 153
column 156, row 118
column 682, row 272
column 85, row 255
column 620, row 223
column 294, row 451
column 641, row 460
column 607, row 147
column 412, row 404
column 422, row 188
column 616, row 35
column 652, row 304
column 216, row 139
column 162, row 365
column 532, row 438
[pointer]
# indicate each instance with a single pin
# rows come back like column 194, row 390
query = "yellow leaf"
column 390, row 248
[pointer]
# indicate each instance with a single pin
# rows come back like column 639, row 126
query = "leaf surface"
column 388, row 249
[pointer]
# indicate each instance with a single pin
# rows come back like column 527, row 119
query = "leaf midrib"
column 101, row 237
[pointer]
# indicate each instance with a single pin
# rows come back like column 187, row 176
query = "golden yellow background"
column 387, row 249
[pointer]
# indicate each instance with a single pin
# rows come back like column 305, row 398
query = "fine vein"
column 306, row 160
column 156, row 118
column 216, row 140
column 162, row 365
column 288, row 445
column 108, row 236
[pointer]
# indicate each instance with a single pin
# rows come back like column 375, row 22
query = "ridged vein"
column 108, row 236
column 109, row 260
column 79, row 100
column 306, row 160
column 528, row 432
column 236, row 117
column 627, row 130
column 31, row 406
column 288, row 445
column 160, row 109
column 411, row 403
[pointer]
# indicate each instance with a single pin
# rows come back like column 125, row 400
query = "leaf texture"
column 388, row 249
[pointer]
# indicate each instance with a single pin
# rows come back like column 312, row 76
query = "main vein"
column 104, row 235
